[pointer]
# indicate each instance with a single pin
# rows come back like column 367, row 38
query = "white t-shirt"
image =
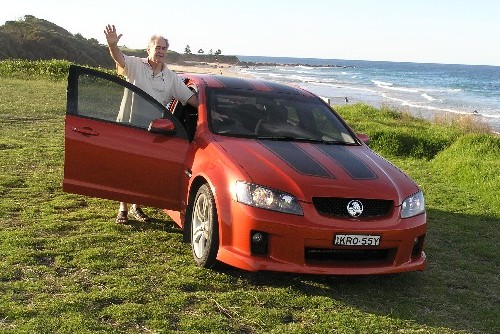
column 163, row 87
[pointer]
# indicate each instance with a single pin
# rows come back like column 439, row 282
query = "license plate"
column 356, row 240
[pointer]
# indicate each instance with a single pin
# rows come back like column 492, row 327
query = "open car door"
column 136, row 156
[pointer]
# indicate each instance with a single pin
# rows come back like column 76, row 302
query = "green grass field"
column 66, row 267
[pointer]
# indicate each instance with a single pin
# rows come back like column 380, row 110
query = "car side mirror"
column 364, row 138
column 162, row 126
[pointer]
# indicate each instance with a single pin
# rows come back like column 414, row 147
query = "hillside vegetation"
column 32, row 38
column 66, row 267
column 38, row 39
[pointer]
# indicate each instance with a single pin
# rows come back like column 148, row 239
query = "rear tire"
column 204, row 228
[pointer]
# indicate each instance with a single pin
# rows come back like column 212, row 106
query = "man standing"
column 152, row 76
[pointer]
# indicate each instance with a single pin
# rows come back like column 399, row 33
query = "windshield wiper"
column 309, row 140
column 284, row 138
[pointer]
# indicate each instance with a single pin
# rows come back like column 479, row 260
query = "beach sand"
column 208, row 68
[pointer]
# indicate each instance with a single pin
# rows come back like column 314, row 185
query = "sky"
column 424, row 31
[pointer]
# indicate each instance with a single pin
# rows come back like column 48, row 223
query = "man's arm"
column 112, row 38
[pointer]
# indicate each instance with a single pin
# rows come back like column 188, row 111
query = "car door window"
column 106, row 97
column 106, row 100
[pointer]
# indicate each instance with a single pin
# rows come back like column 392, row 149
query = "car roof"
column 220, row 81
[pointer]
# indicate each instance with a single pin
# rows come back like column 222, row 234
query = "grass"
column 65, row 266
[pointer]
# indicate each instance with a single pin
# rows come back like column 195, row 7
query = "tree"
column 200, row 51
column 218, row 52
column 187, row 50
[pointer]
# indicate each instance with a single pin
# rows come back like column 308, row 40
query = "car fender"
column 215, row 168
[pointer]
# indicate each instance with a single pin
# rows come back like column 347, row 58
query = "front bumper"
column 304, row 244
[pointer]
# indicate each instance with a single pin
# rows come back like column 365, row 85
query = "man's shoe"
column 121, row 218
column 139, row 215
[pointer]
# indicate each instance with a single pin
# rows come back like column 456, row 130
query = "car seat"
column 275, row 119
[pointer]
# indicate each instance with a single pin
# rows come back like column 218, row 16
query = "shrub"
column 49, row 69
column 398, row 134
column 37, row 69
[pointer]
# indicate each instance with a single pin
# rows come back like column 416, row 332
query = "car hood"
column 308, row 170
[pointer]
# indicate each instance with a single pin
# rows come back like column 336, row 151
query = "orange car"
column 263, row 176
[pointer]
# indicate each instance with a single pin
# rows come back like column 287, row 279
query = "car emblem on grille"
column 355, row 208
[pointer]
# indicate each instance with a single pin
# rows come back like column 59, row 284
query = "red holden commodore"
column 263, row 176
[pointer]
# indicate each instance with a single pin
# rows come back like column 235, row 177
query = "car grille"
column 348, row 255
column 337, row 207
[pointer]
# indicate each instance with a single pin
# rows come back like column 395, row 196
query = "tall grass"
column 398, row 134
column 65, row 267
column 41, row 69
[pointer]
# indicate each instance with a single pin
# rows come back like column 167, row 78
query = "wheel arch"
column 195, row 185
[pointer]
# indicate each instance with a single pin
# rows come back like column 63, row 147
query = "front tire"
column 204, row 228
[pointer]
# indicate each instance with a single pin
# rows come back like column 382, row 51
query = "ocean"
column 425, row 90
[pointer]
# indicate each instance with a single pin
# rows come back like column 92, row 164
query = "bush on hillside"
column 37, row 39
column 398, row 134
column 404, row 142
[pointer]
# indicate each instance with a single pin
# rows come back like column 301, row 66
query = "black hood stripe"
column 353, row 166
column 297, row 158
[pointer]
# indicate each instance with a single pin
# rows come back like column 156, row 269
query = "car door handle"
column 87, row 131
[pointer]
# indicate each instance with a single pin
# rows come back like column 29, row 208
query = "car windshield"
column 277, row 116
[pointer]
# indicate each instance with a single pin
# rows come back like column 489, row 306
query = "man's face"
column 157, row 50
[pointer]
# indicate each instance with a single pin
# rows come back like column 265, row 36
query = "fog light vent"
column 418, row 246
column 259, row 243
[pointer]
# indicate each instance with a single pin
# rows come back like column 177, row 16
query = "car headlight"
column 413, row 205
column 266, row 198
